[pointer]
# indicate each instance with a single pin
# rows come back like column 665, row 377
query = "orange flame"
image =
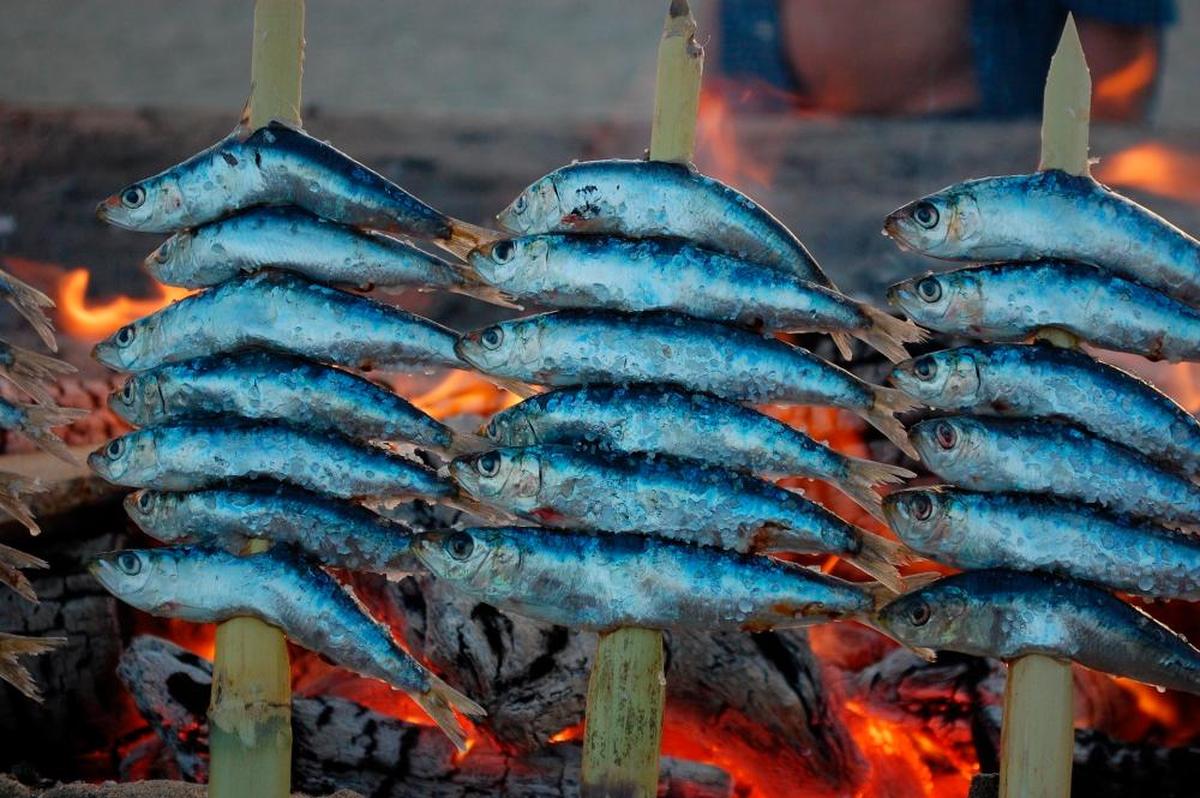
column 464, row 393
column 94, row 321
column 1154, row 167
column 718, row 151
column 1118, row 93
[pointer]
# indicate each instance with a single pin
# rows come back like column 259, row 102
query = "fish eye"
column 925, row 368
column 145, row 501
column 163, row 253
column 503, row 251
column 127, row 391
column 125, row 335
column 129, row 562
column 133, row 197
column 929, row 289
column 492, row 430
column 922, row 507
column 946, row 435
column 115, row 448
column 926, row 215
column 492, row 338
column 460, row 545
column 488, row 465
column 521, row 203
column 919, row 613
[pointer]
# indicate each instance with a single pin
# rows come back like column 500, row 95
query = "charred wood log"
column 339, row 744
column 756, row 699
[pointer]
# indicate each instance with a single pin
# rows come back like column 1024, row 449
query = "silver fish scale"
column 191, row 456
column 1010, row 614
column 565, row 487
column 574, row 347
column 1047, row 381
column 1011, row 301
column 268, row 386
column 335, row 533
column 993, row 530
column 647, row 418
column 641, row 199
column 602, row 582
column 1047, row 457
column 281, row 312
column 210, row 585
column 1053, row 214
column 605, row 272
column 291, row 239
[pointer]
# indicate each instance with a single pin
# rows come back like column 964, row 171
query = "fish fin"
column 888, row 334
column 30, row 303
column 888, row 402
column 487, row 513
column 13, row 490
column 863, row 475
column 844, row 344
column 11, row 561
column 465, row 237
column 882, row 594
column 39, row 419
column 489, row 294
column 468, row 443
column 440, row 702
column 879, row 558
column 515, row 387
column 12, row 671
column 32, row 372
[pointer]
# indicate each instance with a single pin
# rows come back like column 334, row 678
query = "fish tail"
column 844, row 343
column 880, row 558
column 30, row 303
column 13, row 490
column 468, row 443
column 881, row 416
column 440, row 702
column 12, row 671
column 32, row 372
column 465, row 237
column 888, row 334
column 515, row 387
column 863, row 475
column 11, row 560
column 39, row 419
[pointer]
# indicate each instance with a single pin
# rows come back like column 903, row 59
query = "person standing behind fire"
column 985, row 58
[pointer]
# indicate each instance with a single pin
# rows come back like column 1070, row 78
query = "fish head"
column 919, row 516
column 483, row 558
column 947, row 301
column 501, row 347
column 127, row 460
column 932, row 617
column 944, row 225
column 509, row 476
column 946, row 442
column 122, row 350
column 949, row 378
column 512, row 427
column 151, row 511
column 152, row 205
column 499, row 262
column 139, row 401
column 536, row 209
column 143, row 578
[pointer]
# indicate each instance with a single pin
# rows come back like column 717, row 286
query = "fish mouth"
column 104, row 208
column 893, row 228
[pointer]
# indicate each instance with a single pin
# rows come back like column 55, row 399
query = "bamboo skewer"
column 627, row 689
column 1037, row 744
column 250, row 711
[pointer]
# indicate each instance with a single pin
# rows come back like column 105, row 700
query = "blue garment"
column 1012, row 42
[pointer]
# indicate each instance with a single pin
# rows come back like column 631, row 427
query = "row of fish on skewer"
column 1070, row 477
column 257, row 422
column 33, row 373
